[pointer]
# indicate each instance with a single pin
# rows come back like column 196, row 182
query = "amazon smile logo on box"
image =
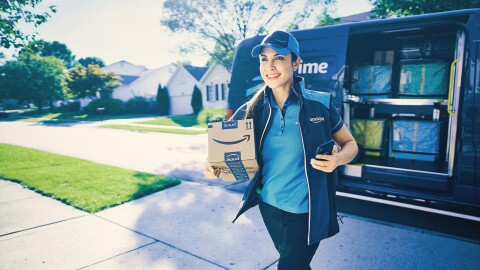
column 231, row 147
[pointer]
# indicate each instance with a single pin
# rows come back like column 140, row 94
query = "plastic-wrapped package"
column 372, row 81
column 413, row 139
column 424, row 80
column 370, row 134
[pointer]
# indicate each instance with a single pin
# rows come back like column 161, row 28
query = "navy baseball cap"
column 280, row 41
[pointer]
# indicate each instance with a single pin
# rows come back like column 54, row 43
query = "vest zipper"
column 305, row 168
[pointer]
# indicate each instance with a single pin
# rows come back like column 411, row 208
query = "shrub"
column 208, row 115
column 196, row 102
column 138, row 105
column 112, row 106
column 163, row 100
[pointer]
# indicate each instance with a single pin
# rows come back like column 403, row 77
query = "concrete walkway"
column 189, row 227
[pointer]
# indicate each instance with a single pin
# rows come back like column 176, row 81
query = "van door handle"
column 450, row 88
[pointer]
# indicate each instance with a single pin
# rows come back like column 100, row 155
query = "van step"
column 406, row 177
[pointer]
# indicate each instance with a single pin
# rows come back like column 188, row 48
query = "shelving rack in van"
column 408, row 79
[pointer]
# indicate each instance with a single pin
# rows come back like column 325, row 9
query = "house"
column 144, row 84
column 180, row 82
column 214, row 84
column 180, row 88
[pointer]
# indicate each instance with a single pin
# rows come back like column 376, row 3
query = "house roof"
column 360, row 17
column 127, row 79
column 197, row 72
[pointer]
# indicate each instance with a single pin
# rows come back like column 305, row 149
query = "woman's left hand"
column 326, row 163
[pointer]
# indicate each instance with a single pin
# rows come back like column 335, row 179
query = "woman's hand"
column 326, row 163
column 211, row 172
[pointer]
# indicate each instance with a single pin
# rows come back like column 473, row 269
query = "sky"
column 115, row 30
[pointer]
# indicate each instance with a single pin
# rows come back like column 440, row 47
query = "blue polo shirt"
column 283, row 174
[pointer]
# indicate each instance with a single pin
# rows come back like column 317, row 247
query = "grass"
column 178, row 120
column 155, row 129
column 69, row 117
column 83, row 184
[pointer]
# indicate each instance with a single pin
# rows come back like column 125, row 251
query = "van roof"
column 454, row 15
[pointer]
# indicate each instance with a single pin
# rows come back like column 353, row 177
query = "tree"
column 398, row 8
column 217, row 26
column 91, row 61
column 55, row 48
column 197, row 103
column 163, row 100
column 34, row 78
column 86, row 82
column 14, row 12
column 326, row 19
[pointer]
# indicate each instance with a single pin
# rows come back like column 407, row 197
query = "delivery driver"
column 294, row 187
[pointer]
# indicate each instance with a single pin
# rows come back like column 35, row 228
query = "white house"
column 215, row 86
column 180, row 82
column 180, row 88
column 125, row 68
column 144, row 84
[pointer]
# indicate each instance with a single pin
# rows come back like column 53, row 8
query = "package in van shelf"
column 370, row 134
column 415, row 139
column 423, row 80
column 371, row 81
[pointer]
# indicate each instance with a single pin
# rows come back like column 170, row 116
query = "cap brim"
column 258, row 49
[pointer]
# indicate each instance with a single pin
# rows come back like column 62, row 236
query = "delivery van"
column 409, row 91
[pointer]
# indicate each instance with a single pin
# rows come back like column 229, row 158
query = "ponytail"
column 249, row 112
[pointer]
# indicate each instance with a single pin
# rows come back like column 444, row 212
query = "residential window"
column 224, row 91
column 211, row 93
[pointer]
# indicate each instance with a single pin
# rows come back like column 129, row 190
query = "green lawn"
column 69, row 117
column 83, row 184
column 155, row 129
column 178, row 120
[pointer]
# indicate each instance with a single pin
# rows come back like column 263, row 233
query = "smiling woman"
column 293, row 186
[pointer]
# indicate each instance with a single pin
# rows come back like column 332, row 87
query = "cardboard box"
column 231, row 146
column 383, row 57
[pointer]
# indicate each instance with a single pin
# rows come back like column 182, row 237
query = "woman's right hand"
column 211, row 172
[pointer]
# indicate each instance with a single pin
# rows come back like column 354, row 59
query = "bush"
column 208, row 115
column 112, row 106
column 138, row 105
column 69, row 106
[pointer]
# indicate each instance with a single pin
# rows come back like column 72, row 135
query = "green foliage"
column 176, row 120
column 224, row 24
column 86, row 82
column 33, row 78
column 326, row 19
column 181, row 63
column 55, row 48
column 81, row 183
column 111, row 106
column 208, row 115
column 196, row 102
column 159, row 129
column 139, row 105
column 91, row 61
column 15, row 12
column 398, row 8
column 163, row 100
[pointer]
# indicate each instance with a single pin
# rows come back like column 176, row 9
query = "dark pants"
column 289, row 233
